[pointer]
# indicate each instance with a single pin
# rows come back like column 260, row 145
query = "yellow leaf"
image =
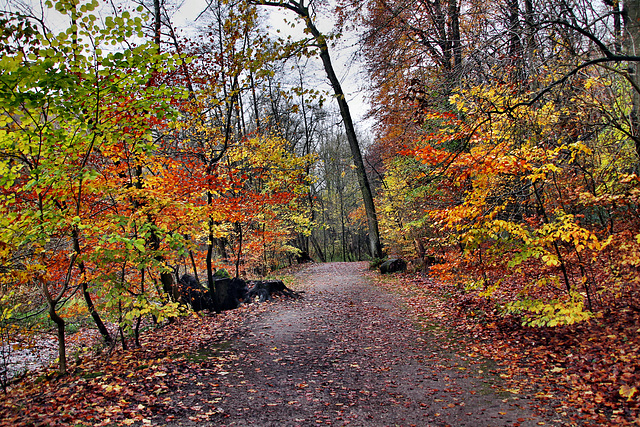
column 628, row 392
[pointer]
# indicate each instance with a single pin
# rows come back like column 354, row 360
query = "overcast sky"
column 348, row 68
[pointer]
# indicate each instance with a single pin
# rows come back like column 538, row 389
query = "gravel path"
column 347, row 354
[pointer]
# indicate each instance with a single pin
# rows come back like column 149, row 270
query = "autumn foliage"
column 524, row 191
column 114, row 181
column 505, row 166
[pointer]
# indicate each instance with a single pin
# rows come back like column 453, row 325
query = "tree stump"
column 264, row 290
column 230, row 293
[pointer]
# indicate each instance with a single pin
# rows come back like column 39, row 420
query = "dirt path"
column 347, row 355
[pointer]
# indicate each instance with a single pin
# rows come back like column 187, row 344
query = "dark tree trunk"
column 256, row 110
column 530, row 23
column 194, row 266
column 454, row 18
column 363, row 180
column 210, row 281
column 365, row 187
column 60, row 326
column 239, row 254
column 631, row 14
column 515, row 42
column 62, row 352
column 87, row 296
column 617, row 27
column 157, row 23
column 317, row 248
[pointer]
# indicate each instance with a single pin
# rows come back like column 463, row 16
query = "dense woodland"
column 504, row 158
column 508, row 142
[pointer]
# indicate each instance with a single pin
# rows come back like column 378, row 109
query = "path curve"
column 347, row 354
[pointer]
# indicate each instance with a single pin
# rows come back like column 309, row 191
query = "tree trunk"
column 515, row 43
column 194, row 266
column 166, row 278
column 530, row 31
column 365, row 187
column 342, row 228
column 363, row 180
column 62, row 352
column 256, row 110
column 157, row 23
column 617, row 27
column 317, row 248
column 454, row 19
column 239, row 254
column 60, row 325
column 87, row 296
column 211, row 284
column 631, row 13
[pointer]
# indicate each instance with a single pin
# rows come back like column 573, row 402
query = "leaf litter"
column 357, row 350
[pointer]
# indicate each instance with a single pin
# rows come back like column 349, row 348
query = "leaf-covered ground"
column 350, row 353
column 589, row 372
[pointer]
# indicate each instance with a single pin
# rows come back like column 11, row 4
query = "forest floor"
column 353, row 351
column 349, row 355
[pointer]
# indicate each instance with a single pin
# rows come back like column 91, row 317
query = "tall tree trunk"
column 365, row 187
column 211, row 284
column 617, row 26
column 363, row 180
column 631, row 14
column 230, row 103
column 256, row 110
column 454, row 34
column 530, row 31
column 342, row 228
column 238, row 226
column 317, row 248
column 157, row 25
column 194, row 266
column 515, row 43
column 166, row 278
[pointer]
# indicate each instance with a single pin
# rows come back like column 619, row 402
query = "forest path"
column 347, row 354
